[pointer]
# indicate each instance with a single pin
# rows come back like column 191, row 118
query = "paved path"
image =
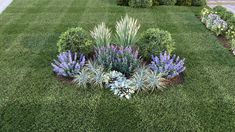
column 4, row 4
column 229, row 4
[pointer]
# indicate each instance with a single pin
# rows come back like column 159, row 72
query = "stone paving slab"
column 4, row 4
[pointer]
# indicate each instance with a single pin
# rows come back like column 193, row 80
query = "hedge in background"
column 122, row 2
column 199, row 2
column 184, row 2
column 223, row 12
column 141, row 3
column 167, row 2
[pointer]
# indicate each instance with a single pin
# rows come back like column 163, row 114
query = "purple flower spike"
column 166, row 65
column 68, row 64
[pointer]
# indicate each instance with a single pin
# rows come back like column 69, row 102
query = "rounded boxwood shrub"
column 154, row 41
column 141, row 3
column 199, row 2
column 75, row 39
column 167, row 2
column 184, row 2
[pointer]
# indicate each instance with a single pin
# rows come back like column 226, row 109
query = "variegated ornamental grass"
column 126, row 31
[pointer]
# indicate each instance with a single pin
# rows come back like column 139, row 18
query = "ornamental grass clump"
column 169, row 67
column 68, row 64
column 120, row 59
column 126, row 31
column 102, row 35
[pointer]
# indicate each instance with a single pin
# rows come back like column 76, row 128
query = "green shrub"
column 75, row 39
column 141, row 3
column 184, row 2
column 155, row 2
column 154, row 41
column 223, row 12
column 199, row 2
column 233, row 44
column 231, row 21
column 122, row 2
column 227, row 15
column 167, row 2
column 219, row 9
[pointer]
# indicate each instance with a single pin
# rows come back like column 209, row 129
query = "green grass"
column 32, row 99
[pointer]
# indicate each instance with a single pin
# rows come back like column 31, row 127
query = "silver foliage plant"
column 91, row 74
column 126, row 31
column 145, row 79
column 101, row 34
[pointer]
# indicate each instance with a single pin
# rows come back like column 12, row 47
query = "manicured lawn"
column 32, row 99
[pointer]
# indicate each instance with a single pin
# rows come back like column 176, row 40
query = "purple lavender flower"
column 68, row 64
column 166, row 65
column 121, row 59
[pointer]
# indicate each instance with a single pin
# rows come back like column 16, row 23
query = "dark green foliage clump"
column 223, row 12
column 122, row 2
column 141, row 3
column 184, row 2
column 154, row 41
column 199, row 2
column 167, row 2
column 75, row 39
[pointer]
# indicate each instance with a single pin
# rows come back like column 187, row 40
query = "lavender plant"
column 102, row 35
column 68, row 64
column 166, row 65
column 120, row 59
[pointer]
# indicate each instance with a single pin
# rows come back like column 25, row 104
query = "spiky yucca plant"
column 126, row 31
column 97, row 74
column 102, row 35
column 144, row 80
column 82, row 79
